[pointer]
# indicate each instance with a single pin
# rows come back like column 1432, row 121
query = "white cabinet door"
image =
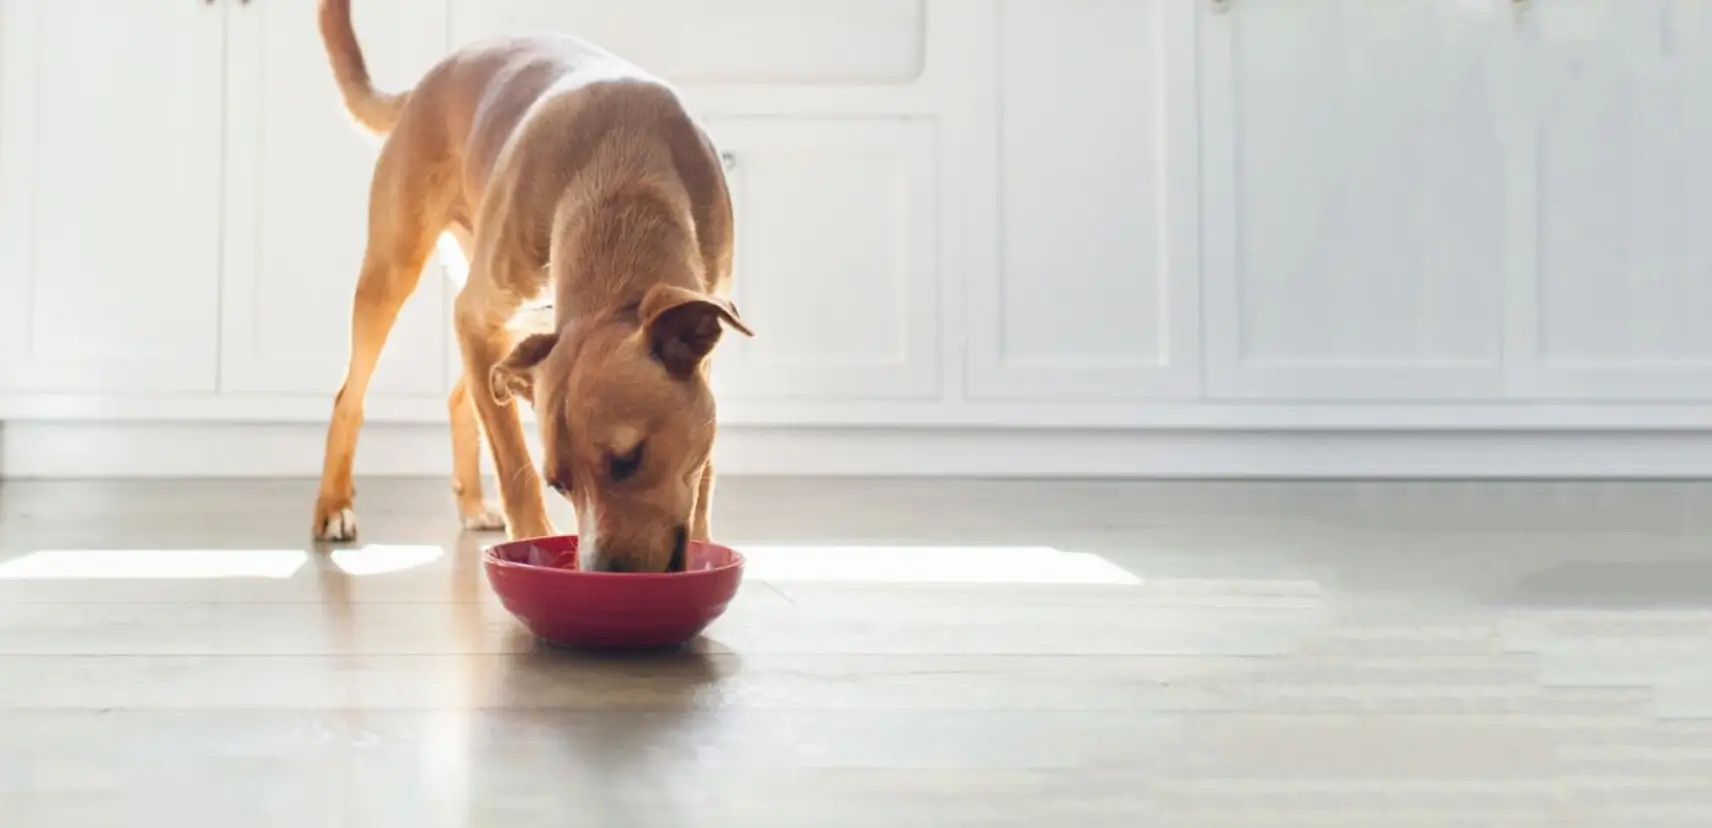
column 109, row 195
column 297, row 186
column 1095, row 297
column 1355, row 178
column 1614, row 297
column 837, row 260
column 820, row 42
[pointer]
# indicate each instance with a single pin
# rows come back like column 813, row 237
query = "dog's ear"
column 515, row 375
column 683, row 325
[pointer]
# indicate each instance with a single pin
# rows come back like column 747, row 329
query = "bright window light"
column 153, row 564
column 379, row 560
column 452, row 256
column 931, row 565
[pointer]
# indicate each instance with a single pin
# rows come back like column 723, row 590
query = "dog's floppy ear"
column 683, row 325
column 515, row 375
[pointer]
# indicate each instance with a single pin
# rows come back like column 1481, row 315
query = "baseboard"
column 93, row 450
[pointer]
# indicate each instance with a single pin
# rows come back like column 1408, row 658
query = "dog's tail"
column 375, row 110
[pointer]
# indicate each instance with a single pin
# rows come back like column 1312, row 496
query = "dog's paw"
column 336, row 525
column 486, row 518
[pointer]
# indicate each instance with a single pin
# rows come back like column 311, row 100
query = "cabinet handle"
column 728, row 161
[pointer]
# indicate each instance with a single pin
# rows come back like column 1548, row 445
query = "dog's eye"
column 623, row 466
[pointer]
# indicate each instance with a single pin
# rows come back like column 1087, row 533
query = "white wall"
column 985, row 236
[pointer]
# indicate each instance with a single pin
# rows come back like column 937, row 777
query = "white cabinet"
column 110, row 123
column 183, row 200
column 296, row 183
column 837, row 259
column 1095, row 293
column 695, row 42
column 1614, row 285
column 1013, row 214
column 1355, row 198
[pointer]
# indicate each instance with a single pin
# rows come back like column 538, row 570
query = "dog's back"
column 555, row 106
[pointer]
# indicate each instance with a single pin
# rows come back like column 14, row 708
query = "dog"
column 572, row 179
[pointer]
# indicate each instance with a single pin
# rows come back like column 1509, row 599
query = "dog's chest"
column 536, row 315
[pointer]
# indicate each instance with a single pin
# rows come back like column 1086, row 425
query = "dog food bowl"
column 538, row 581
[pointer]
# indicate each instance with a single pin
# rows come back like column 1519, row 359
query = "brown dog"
column 569, row 177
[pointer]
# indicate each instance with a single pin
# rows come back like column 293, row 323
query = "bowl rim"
column 490, row 557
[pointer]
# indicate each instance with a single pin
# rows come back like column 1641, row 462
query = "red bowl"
column 538, row 581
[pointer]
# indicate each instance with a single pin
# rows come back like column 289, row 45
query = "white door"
column 109, row 195
column 1614, row 293
column 837, row 259
column 297, row 184
column 1355, row 185
column 694, row 42
column 1095, row 296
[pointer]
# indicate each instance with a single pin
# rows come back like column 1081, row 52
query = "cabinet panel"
column 109, row 195
column 297, row 186
column 1615, row 304
column 732, row 41
column 1356, row 185
column 837, row 260
column 1096, row 293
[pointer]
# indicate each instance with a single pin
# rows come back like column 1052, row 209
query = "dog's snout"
column 595, row 558
column 622, row 558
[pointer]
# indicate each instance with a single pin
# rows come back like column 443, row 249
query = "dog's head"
column 627, row 421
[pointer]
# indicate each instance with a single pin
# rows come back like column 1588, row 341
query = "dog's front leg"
column 484, row 340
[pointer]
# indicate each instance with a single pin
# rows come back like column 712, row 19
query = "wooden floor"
column 1065, row 655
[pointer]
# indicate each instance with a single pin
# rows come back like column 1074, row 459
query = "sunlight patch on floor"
column 154, row 564
column 931, row 565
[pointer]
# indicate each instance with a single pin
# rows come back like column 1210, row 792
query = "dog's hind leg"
column 474, row 512
column 408, row 205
